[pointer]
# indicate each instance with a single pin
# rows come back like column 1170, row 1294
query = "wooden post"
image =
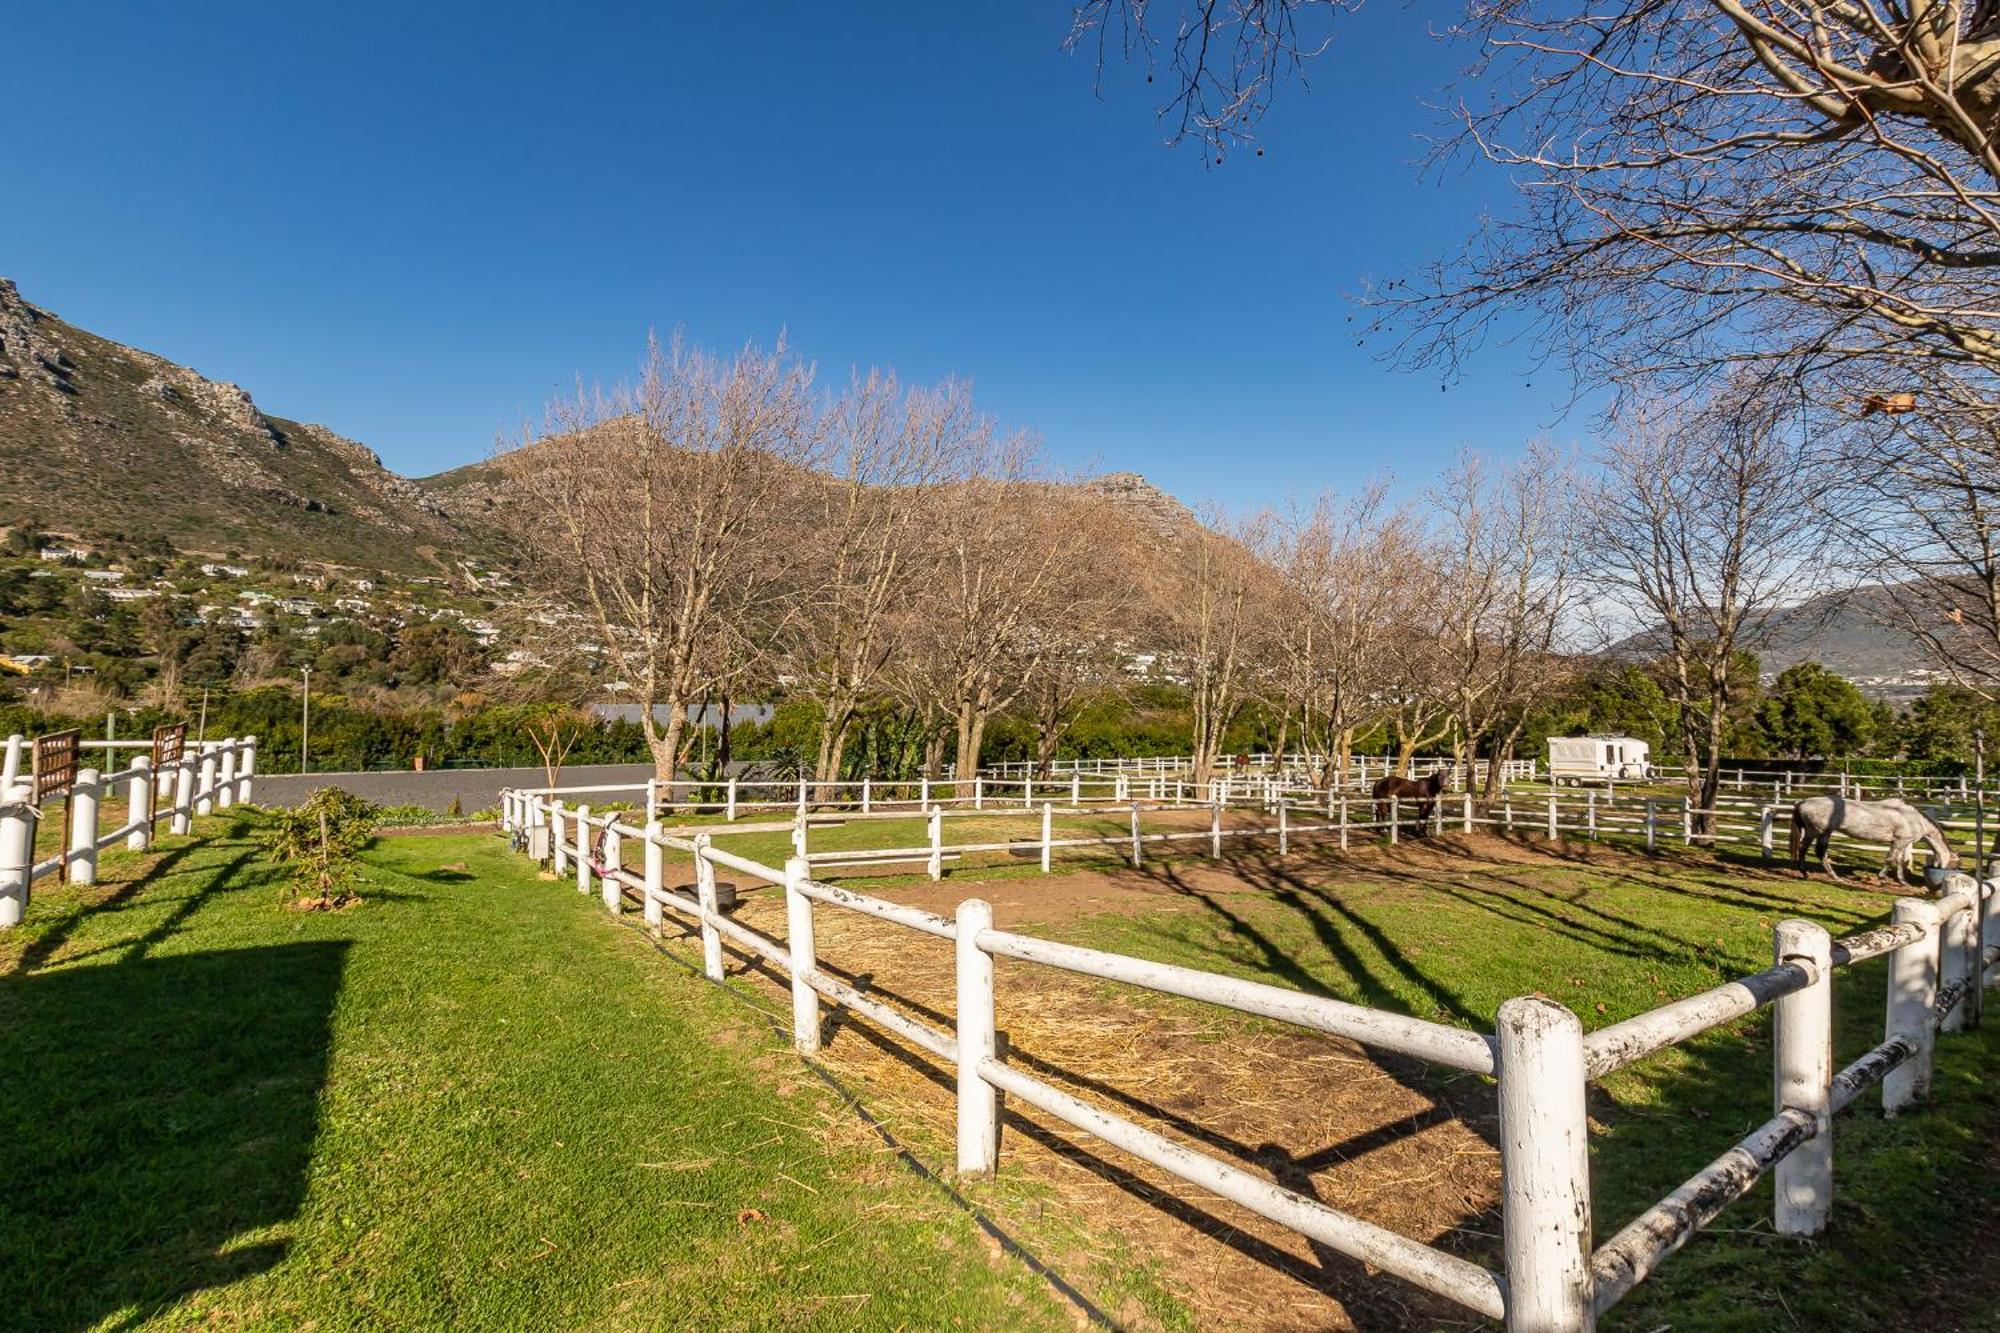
column 1552, row 816
column 1284, row 832
column 559, row 850
column 867, row 795
column 978, row 793
column 1467, row 816
column 799, row 944
column 1343, row 821
column 978, row 1103
column 1544, row 1168
column 139, row 805
column 704, row 890
column 656, row 876
column 730, row 808
column 1135, row 835
column 583, row 849
column 1687, row 821
column 924, row 793
column 83, row 826
column 936, row 866
column 799, row 834
column 1048, row 834
column 1802, row 1051
column 1913, row 977
column 1395, row 816
column 1027, row 792
column 1590, row 816
column 1507, row 811
column 1075, row 789
column 608, row 883
column 1652, row 825
column 17, row 851
column 1214, row 831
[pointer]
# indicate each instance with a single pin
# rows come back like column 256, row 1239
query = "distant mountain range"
column 99, row 437
column 1853, row 633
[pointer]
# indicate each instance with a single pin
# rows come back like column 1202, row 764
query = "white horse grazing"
column 1817, row 818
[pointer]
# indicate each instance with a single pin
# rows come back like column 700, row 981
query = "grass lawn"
column 472, row 1101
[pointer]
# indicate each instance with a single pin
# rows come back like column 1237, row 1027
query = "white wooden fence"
column 209, row 776
column 1554, row 1277
column 1362, row 771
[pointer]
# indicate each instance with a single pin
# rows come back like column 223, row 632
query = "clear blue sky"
column 414, row 223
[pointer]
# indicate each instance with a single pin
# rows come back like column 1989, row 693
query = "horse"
column 1817, row 818
column 1424, row 791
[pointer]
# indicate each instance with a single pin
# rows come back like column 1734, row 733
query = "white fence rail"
column 209, row 776
column 1553, row 1277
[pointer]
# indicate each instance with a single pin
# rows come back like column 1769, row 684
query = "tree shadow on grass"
column 154, row 1110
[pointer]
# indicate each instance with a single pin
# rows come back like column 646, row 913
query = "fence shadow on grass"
column 155, row 1110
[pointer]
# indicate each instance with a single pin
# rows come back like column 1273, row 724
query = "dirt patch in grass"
column 1388, row 1140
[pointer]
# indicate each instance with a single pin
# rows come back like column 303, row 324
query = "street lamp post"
column 305, row 714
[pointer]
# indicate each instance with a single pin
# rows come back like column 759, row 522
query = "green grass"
column 473, row 1101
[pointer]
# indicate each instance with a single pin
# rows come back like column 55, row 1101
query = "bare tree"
column 660, row 509
column 889, row 450
column 1505, row 584
column 1699, row 528
column 1809, row 184
column 1211, row 608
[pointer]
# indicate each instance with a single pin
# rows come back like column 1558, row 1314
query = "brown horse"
column 1424, row 791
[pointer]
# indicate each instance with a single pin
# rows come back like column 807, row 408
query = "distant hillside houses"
column 58, row 554
column 216, row 571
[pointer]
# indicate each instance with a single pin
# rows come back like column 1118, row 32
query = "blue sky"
column 414, row 223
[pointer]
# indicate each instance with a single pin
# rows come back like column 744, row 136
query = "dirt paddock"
column 1401, row 1144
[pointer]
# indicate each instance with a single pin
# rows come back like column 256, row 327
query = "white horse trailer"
column 1579, row 759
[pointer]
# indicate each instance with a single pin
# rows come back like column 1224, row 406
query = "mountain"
column 1852, row 632
column 96, row 436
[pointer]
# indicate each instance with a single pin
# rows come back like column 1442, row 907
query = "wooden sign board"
column 56, row 757
column 169, row 743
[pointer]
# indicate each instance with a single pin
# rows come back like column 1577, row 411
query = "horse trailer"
column 1579, row 759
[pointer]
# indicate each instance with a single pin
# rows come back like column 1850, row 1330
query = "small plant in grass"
column 319, row 841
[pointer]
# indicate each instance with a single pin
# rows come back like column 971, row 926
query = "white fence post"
column 936, row 866
column 246, row 769
column 10, row 767
column 730, row 808
column 204, row 791
column 608, row 883
column 1467, row 801
column 558, row 849
column 978, row 793
column 1135, row 835
column 139, row 805
column 1048, row 833
column 1552, row 816
column 978, row 1102
column 704, row 890
column 1544, row 1168
column 1076, row 789
column 1343, row 821
column 1284, row 831
column 83, row 826
column 182, row 820
column 1590, row 816
column 1764, row 822
column 656, row 876
column 1652, row 824
column 867, row 795
column 225, row 776
column 17, row 850
column 582, row 849
column 799, row 834
column 1913, row 975
column 799, row 944
column 1802, row 1049
column 1395, row 816
column 1215, row 831
column 1958, row 953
